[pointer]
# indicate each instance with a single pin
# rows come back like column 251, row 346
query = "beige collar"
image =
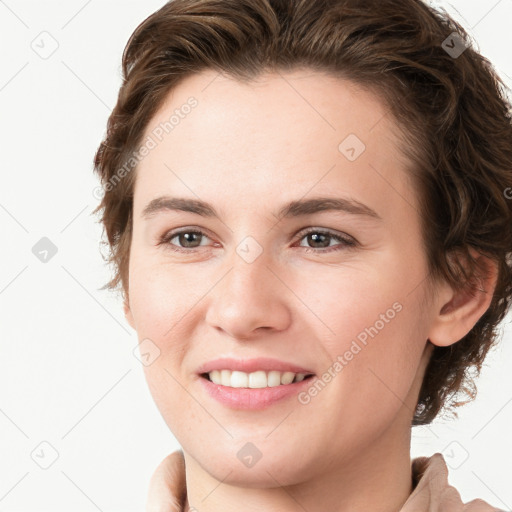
column 432, row 492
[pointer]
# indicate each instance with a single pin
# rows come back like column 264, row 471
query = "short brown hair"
column 452, row 110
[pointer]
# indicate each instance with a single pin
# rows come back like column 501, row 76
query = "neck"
column 376, row 478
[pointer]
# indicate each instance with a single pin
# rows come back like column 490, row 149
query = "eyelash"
column 347, row 242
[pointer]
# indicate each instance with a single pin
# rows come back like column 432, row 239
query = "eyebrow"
column 293, row 209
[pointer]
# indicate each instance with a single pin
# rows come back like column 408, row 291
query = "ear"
column 457, row 311
column 128, row 312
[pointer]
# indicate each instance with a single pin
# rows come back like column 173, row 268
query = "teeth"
column 258, row 379
column 273, row 379
column 287, row 377
column 239, row 380
column 215, row 377
column 225, row 377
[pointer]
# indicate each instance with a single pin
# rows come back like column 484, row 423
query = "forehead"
column 282, row 134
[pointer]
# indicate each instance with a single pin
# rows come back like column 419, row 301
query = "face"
column 236, row 299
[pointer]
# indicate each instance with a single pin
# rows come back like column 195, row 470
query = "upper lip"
column 251, row 365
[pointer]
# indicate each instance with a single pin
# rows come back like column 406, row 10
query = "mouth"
column 258, row 379
column 252, row 384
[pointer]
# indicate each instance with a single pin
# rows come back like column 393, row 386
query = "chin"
column 252, row 461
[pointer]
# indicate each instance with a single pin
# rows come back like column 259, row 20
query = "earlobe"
column 459, row 310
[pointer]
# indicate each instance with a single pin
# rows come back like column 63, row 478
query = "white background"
column 68, row 375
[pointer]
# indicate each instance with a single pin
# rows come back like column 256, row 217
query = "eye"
column 323, row 237
column 190, row 239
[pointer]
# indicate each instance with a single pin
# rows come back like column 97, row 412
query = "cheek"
column 167, row 306
column 379, row 358
column 377, row 333
column 161, row 310
column 160, row 297
column 368, row 386
column 353, row 303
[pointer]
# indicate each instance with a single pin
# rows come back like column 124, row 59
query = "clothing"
column 431, row 491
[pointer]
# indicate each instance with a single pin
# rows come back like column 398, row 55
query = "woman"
column 307, row 208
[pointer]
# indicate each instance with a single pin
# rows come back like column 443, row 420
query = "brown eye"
column 188, row 239
column 319, row 239
column 185, row 240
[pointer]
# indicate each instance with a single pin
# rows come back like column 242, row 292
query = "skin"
column 248, row 149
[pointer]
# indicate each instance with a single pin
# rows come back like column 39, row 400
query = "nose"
column 250, row 300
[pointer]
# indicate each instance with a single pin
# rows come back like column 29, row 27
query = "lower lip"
column 252, row 398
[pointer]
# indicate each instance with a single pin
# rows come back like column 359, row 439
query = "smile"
column 252, row 384
column 254, row 380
